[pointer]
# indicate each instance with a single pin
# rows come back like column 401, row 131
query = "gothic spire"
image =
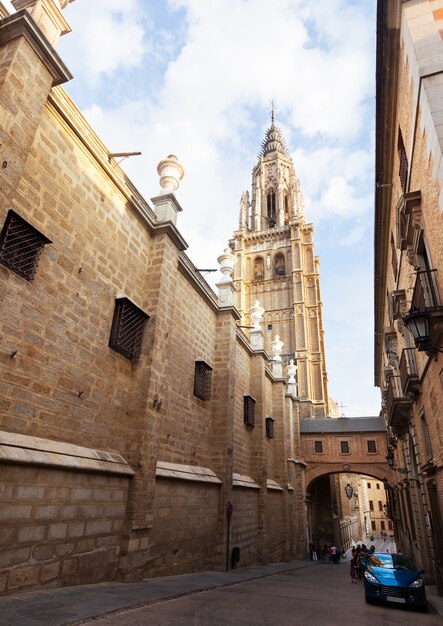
column 273, row 141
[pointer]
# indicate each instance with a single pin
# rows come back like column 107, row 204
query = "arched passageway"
column 344, row 508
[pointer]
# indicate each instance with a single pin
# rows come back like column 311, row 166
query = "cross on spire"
column 342, row 406
column 273, row 108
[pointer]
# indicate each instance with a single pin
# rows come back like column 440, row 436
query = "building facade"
column 409, row 269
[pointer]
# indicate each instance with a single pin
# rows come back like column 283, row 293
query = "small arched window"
column 271, row 208
column 279, row 265
column 259, row 269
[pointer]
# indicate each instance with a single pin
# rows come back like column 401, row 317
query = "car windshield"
column 391, row 561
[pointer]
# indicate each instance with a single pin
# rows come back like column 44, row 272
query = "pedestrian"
column 324, row 552
column 352, row 570
column 314, row 555
column 334, row 554
column 357, row 564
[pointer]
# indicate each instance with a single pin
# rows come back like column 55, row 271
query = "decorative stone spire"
column 166, row 206
column 276, row 347
column 256, row 316
column 225, row 286
column 273, row 141
column 292, row 383
column 171, row 172
column 48, row 16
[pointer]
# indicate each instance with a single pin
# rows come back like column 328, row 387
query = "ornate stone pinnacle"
column 171, row 172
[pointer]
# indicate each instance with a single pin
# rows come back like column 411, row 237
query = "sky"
column 196, row 78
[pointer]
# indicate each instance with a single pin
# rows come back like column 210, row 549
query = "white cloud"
column 108, row 36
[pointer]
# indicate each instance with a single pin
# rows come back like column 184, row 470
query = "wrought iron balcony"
column 398, row 405
column 408, row 371
column 425, row 294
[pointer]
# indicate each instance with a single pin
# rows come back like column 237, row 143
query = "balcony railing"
column 398, row 405
column 425, row 294
column 408, row 371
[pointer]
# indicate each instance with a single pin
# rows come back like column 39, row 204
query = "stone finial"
column 225, row 286
column 277, row 347
column 291, row 369
column 227, row 261
column 48, row 16
column 292, row 383
column 256, row 314
column 171, row 172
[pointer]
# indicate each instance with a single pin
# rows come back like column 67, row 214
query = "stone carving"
column 292, row 370
column 256, row 314
column 171, row 172
column 277, row 347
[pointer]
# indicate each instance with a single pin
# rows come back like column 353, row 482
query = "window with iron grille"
column 127, row 328
column 371, row 505
column 380, row 505
column 369, row 486
column 269, row 428
column 318, row 446
column 249, row 411
column 20, row 245
column 344, row 447
column 373, row 526
column 372, row 446
column 202, row 380
column 403, row 161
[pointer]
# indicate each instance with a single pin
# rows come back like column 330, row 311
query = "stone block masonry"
column 59, row 525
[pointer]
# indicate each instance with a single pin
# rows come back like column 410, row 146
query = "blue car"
column 394, row 578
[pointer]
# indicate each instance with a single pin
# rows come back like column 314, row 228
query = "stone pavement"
column 76, row 605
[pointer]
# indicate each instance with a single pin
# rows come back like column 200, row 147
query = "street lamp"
column 391, row 461
column 349, row 491
column 418, row 324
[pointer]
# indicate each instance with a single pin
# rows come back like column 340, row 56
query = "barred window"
column 127, row 328
column 318, row 446
column 202, row 380
column 20, row 245
column 344, row 447
column 269, row 428
column 372, row 447
column 249, row 411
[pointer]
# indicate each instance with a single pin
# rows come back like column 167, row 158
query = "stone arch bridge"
column 345, row 444
column 334, row 449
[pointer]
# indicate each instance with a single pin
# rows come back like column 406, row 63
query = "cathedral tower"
column 276, row 265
